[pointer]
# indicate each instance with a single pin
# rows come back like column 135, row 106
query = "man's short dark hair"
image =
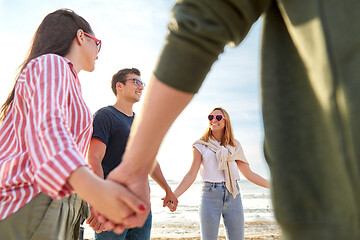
column 120, row 76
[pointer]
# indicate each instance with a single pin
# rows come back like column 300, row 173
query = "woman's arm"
column 119, row 202
column 191, row 175
column 251, row 176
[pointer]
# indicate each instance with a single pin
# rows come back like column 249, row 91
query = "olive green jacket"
column 310, row 78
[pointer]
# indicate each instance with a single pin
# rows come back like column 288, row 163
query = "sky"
column 132, row 34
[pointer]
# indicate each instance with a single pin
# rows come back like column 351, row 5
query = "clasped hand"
column 120, row 204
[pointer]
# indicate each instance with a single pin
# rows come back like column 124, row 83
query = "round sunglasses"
column 218, row 117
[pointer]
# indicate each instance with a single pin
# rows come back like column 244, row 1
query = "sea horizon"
column 256, row 202
column 185, row 221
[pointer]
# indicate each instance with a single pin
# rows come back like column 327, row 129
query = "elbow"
column 93, row 161
column 248, row 173
column 90, row 161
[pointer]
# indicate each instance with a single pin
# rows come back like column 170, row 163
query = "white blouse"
column 209, row 169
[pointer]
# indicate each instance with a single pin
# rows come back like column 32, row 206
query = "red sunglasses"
column 218, row 117
column 97, row 41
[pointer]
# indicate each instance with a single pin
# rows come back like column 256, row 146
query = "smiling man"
column 111, row 130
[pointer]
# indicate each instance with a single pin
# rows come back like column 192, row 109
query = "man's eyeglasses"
column 97, row 41
column 137, row 82
column 218, row 117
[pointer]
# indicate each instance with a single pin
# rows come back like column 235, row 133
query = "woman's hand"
column 111, row 199
column 170, row 201
column 138, row 184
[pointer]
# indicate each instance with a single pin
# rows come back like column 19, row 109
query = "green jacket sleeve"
column 198, row 33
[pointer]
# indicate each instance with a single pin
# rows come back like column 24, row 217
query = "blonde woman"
column 218, row 156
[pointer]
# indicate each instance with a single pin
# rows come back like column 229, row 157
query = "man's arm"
column 184, row 66
column 162, row 104
column 95, row 156
column 159, row 178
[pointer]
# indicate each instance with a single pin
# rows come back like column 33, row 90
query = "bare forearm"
column 251, row 176
column 187, row 181
column 95, row 156
column 119, row 203
column 81, row 179
column 98, row 170
column 258, row 180
column 162, row 104
column 159, row 178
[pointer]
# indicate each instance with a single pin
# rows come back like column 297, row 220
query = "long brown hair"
column 54, row 35
column 228, row 136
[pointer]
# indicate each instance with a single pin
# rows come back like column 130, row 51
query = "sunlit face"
column 132, row 90
column 90, row 53
column 216, row 125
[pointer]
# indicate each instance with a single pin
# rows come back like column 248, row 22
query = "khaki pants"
column 46, row 219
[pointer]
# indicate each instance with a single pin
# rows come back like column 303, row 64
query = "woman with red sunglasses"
column 219, row 156
column 44, row 136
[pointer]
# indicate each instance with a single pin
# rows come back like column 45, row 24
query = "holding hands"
column 137, row 184
column 170, row 201
column 100, row 222
column 120, row 205
column 138, row 212
column 94, row 223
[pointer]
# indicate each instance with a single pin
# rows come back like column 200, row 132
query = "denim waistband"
column 214, row 184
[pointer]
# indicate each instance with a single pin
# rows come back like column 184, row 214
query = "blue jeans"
column 142, row 233
column 216, row 201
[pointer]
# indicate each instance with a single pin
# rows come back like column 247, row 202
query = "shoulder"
column 49, row 59
column 237, row 143
column 50, row 69
column 53, row 56
column 102, row 120
column 47, row 63
column 200, row 147
column 105, row 111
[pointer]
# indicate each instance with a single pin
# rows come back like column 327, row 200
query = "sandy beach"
column 264, row 230
column 258, row 230
column 184, row 223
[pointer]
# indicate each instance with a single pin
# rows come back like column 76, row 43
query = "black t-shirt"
column 112, row 127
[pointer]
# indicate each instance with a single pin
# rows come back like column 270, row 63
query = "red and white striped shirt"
column 45, row 135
